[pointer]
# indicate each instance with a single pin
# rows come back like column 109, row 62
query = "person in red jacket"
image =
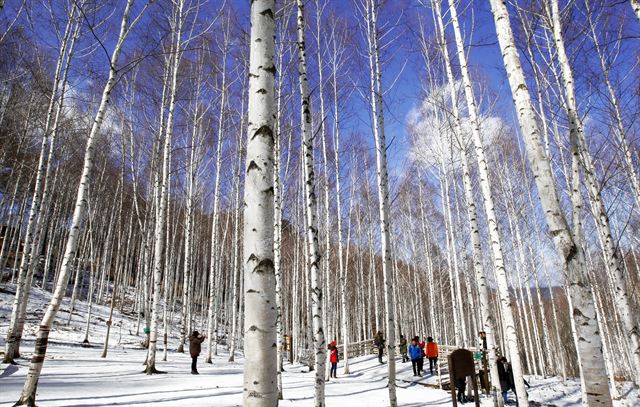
column 421, row 360
column 432, row 353
column 333, row 358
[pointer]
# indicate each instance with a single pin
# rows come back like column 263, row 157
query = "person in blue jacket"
column 415, row 353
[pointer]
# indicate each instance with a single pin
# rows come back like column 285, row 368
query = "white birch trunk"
column 260, row 387
column 494, row 233
column 325, row 165
column 188, row 230
column 159, row 235
column 29, row 389
column 236, row 301
column 342, row 272
column 213, row 260
column 589, row 344
column 16, row 323
column 383, row 188
column 277, row 202
column 319, row 343
column 612, row 256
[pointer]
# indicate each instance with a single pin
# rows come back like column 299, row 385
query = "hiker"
column 415, row 353
column 421, row 361
column 195, row 345
column 432, row 354
column 378, row 341
column 333, row 358
column 507, row 382
column 461, row 386
column 403, row 349
column 482, row 335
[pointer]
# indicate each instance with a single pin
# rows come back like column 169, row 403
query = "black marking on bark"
column 264, row 265
column 572, row 253
column 264, row 131
column 267, row 12
column 262, row 91
column 253, row 166
column 271, row 69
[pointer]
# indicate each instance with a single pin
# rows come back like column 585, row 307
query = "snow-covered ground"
column 77, row 376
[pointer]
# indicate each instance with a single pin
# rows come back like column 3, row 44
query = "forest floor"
column 76, row 375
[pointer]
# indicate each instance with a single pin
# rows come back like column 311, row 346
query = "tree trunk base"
column 26, row 401
column 232, row 358
column 180, row 348
column 152, row 370
column 209, row 361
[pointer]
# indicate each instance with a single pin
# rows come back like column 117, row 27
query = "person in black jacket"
column 195, row 346
column 507, row 382
column 378, row 341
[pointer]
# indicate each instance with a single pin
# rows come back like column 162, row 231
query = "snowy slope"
column 76, row 376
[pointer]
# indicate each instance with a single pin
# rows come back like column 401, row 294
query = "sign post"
column 462, row 365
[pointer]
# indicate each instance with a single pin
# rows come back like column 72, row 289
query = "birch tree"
column 28, row 394
column 488, row 325
column 593, row 185
column 319, row 343
column 260, row 387
column 377, row 114
column 496, row 244
column 337, row 62
column 595, row 390
column 164, row 180
column 43, row 173
column 212, row 312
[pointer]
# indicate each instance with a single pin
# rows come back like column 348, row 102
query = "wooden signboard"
column 462, row 365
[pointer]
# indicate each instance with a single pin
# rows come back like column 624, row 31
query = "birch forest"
column 292, row 196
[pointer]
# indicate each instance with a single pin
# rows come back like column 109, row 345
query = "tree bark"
column 319, row 343
column 260, row 387
column 612, row 254
column 596, row 392
column 29, row 389
column 383, row 188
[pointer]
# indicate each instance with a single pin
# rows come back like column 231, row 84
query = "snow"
column 74, row 375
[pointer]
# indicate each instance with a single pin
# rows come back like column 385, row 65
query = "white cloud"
column 431, row 126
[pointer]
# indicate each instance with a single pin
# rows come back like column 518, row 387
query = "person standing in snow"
column 421, row 361
column 195, row 346
column 378, row 341
column 403, row 349
column 415, row 353
column 333, row 358
column 507, row 382
column 432, row 354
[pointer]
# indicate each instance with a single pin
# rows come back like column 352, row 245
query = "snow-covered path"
column 76, row 376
